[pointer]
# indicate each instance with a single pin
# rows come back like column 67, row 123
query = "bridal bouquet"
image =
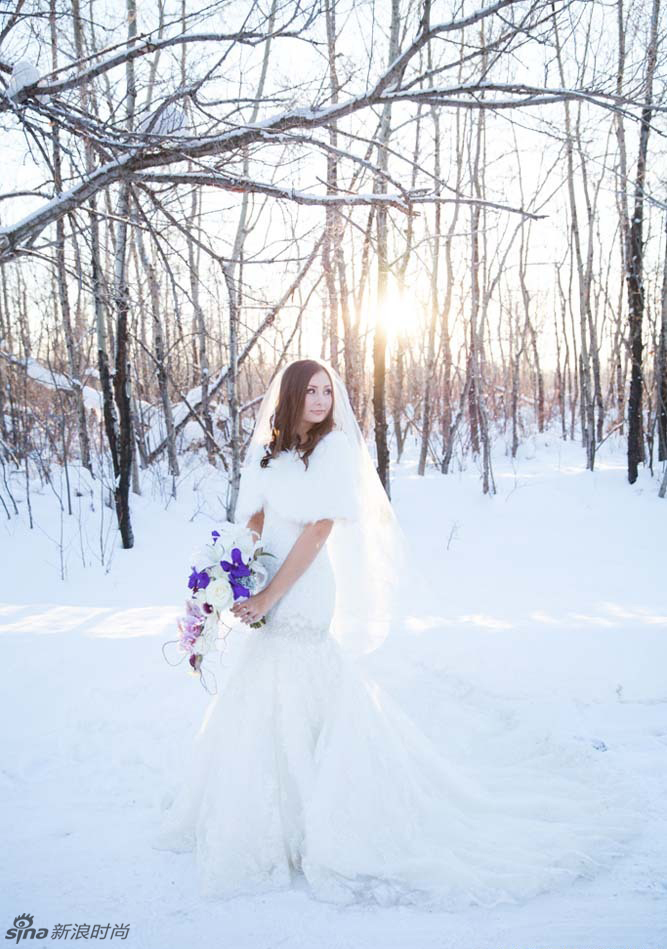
column 225, row 569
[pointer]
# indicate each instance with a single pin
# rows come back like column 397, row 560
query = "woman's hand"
column 252, row 608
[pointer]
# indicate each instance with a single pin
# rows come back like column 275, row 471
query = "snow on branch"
column 519, row 95
column 53, row 380
column 119, row 57
column 402, row 202
column 137, row 157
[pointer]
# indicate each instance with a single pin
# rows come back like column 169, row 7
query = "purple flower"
column 238, row 589
column 188, row 638
column 215, row 535
column 237, row 568
column 191, row 625
column 199, row 580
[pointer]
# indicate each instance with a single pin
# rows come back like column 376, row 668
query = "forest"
column 462, row 207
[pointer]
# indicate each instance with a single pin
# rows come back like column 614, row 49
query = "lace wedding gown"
column 304, row 765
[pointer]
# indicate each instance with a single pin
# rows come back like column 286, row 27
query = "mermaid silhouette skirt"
column 304, row 766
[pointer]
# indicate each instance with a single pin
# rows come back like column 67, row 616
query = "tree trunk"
column 121, row 298
column 160, row 356
column 429, row 380
column 661, row 365
column 380, row 334
column 634, row 272
column 73, row 350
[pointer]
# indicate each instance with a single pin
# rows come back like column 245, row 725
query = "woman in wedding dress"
column 304, row 767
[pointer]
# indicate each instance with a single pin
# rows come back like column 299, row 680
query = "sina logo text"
column 22, row 929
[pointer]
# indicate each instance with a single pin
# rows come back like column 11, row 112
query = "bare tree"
column 635, row 261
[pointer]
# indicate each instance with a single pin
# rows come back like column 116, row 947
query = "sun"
column 397, row 315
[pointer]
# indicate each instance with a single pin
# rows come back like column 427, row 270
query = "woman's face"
column 319, row 398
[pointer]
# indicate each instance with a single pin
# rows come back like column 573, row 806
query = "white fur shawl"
column 326, row 489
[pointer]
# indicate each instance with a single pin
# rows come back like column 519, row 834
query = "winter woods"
column 461, row 206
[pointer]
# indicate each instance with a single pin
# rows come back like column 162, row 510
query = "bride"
column 304, row 768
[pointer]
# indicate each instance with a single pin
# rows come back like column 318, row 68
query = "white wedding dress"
column 305, row 766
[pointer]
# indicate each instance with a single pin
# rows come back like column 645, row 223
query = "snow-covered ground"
column 550, row 630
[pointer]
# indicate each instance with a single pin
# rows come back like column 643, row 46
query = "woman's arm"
column 256, row 522
column 303, row 552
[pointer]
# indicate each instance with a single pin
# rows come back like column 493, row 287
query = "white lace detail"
column 297, row 626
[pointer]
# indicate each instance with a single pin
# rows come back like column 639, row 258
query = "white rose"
column 219, row 594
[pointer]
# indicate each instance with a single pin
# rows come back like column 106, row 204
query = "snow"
column 168, row 121
column 550, row 628
column 92, row 398
column 23, row 74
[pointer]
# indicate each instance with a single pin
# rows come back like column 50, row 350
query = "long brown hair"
column 289, row 411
